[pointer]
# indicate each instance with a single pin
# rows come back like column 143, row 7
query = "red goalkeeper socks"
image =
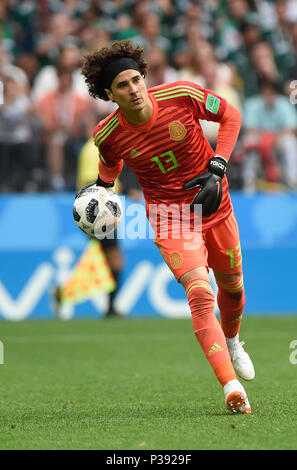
column 208, row 330
column 231, row 302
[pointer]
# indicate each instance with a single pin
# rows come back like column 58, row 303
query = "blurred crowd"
column 245, row 50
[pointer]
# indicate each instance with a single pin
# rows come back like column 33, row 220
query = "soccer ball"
column 97, row 211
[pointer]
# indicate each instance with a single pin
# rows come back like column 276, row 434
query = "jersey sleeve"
column 228, row 131
column 206, row 104
column 106, row 156
column 109, row 174
column 110, row 166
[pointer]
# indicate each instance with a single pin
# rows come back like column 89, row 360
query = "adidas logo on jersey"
column 134, row 153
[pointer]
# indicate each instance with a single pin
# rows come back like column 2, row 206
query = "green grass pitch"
column 125, row 384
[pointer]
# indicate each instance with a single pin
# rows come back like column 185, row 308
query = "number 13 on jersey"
column 163, row 163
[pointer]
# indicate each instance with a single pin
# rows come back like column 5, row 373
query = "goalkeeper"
column 157, row 133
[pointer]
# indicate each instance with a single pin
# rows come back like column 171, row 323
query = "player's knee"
column 200, row 297
column 233, row 287
column 195, row 274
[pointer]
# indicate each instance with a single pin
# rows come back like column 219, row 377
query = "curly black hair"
column 96, row 62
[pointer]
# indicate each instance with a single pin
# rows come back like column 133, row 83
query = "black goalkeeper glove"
column 210, row 194
column 97, row 182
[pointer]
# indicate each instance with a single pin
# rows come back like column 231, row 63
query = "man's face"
column 128, row 91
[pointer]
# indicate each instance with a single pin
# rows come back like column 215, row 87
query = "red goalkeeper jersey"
column 167, row 150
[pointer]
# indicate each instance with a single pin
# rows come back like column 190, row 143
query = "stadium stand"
column 229, row 45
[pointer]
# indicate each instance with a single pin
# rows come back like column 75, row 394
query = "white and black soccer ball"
column 97, row 211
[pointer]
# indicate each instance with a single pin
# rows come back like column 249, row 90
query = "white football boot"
column 236, row 398
column 241, row 361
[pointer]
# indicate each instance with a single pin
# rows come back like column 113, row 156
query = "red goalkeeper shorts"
column 217, row 247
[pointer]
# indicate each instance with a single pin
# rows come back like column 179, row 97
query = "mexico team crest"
column 175, row 260
column 177, row 131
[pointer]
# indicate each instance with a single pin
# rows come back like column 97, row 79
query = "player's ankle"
column 232, row 341
column 232, row 385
